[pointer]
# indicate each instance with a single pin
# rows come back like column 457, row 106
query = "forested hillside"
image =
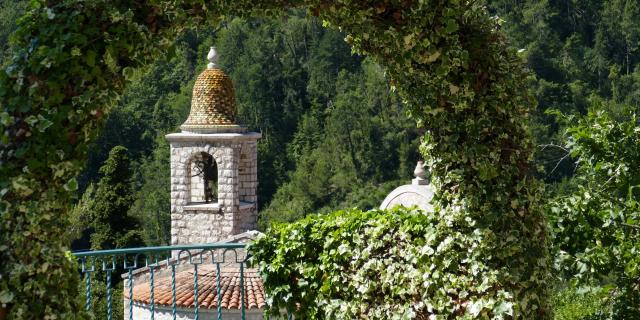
column 335, row 135
column 586, row 78
column 581, row 53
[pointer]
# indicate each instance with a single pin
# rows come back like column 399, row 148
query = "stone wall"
column 248, row 172
column 200, row 226
column 247, row 220
column 236, row 159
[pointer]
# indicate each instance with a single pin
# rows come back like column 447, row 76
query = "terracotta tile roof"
column 207, row 282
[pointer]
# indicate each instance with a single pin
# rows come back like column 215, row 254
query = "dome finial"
column 213, row 107
column 420, row 174
column 212, row 57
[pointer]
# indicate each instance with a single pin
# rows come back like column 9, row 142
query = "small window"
column 204, row 179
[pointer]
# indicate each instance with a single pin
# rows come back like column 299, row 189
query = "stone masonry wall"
column 247, row 220
column 248, row 172
column 237, row 181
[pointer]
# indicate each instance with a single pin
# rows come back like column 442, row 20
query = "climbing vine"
column 447, row 58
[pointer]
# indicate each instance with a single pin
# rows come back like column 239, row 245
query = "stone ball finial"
column 421, row 174
column 419, row 170
column 212, row 56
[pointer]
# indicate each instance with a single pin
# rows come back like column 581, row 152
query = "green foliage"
column 68, row 60
column 10, row 11
column 396, row 264
column 152, row 204
column 102, row 215
column 597, row 226
column 474, row 107
column 284, row 73
column 584, row 56
column 576, row 49
column 583, row 303
column 103, row 210
column 358, row 141
column 447, row 59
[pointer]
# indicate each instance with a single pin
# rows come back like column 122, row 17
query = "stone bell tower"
column 214, row 173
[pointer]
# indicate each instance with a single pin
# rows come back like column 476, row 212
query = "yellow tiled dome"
column 213, row 107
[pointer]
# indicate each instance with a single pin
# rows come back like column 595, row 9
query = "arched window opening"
column 204, row 178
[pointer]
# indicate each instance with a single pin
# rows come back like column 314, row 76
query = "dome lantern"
column 213, row 108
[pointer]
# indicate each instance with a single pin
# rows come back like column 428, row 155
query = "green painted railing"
column 128, row 262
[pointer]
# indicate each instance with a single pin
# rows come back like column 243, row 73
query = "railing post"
column 130, row 283
column 109, row 298
column 87, row 291
column 129, row 269
column 151, row 284
column 173, row 291
column 218, row 296
column 195, row 289
column 87, row 277
column 109, row 270
column 242, row 290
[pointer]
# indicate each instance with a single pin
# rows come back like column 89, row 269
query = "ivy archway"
column 447, row 58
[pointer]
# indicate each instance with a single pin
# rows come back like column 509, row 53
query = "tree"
column 281, row 69
column 104, row 208
column 152, row 203
column 103, row 215
column 597, row 225
column 358, row 141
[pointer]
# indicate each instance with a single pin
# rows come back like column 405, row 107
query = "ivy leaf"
column 451, row 26
column 31, row 120
column 71, row 185
column 128, row 72
column 43, row 123
column 5, row 119
column 431, row 57
column 90, row 58
column 504, row 307
column 21, row 187
column 487, row 172
column 408, row 41
column 6, row 297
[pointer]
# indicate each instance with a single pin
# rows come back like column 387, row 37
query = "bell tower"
column 214, row 170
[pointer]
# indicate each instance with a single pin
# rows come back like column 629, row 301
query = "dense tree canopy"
column 597, row 224
column 103, row 209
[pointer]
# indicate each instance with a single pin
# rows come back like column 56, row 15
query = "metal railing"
column 149, row 265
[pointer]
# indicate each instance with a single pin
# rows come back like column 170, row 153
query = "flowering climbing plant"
column 458, row 77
